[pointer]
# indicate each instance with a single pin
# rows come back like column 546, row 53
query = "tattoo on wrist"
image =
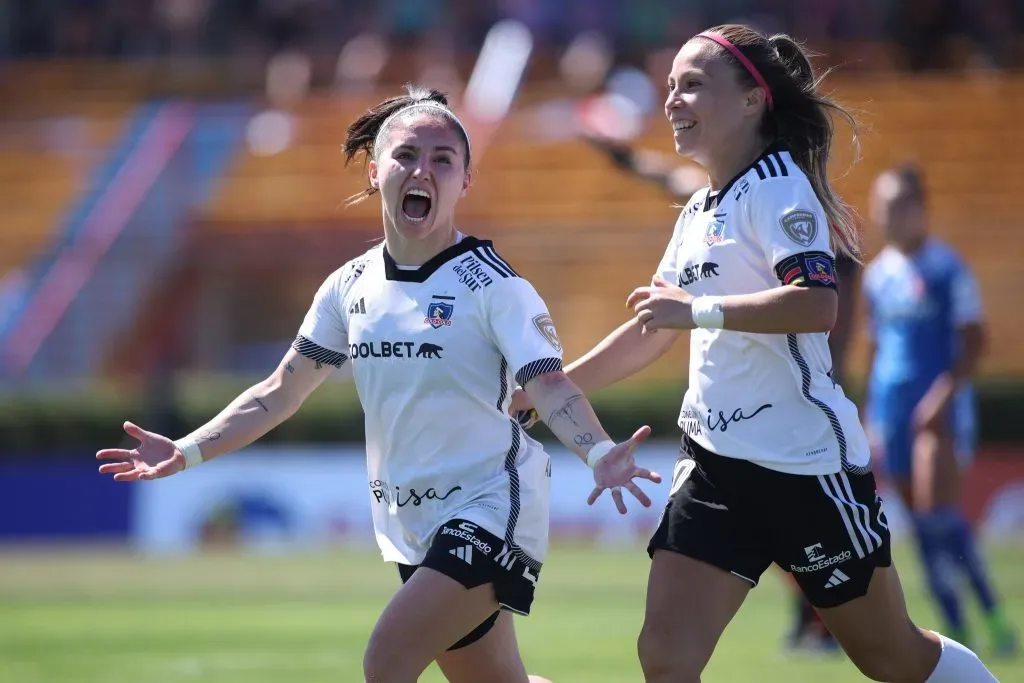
column 261, row 404
column 566, row 412
column 582, row 440
column 209, row 435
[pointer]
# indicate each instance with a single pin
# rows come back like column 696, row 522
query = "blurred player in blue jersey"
column 926, row 322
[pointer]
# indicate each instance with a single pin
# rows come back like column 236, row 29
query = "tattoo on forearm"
column 261, row 404
column 582, row 440
column 566, row 412
column 208, row 435
column 289, row 367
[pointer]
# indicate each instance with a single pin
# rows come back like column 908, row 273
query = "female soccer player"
column 807, row 632
column 775, row 464
column 928, row 334
column 434, row 327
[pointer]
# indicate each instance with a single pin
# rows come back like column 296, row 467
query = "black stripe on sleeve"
column 771, row 167
column 537, row 368
column 315, row 352
column 760, row 171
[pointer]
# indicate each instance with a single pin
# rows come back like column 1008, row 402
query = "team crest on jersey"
column 546, row 327
column 715, row 233
column 800, row 226
column 439, row 314
column 819, row 269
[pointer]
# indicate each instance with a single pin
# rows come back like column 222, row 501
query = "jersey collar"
column 712, row 200
column 393, row 272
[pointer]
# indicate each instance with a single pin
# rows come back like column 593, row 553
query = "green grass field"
column 93, row 617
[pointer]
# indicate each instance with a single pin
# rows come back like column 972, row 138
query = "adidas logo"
column 464, row 553
column 837, row 578
column 357, row 307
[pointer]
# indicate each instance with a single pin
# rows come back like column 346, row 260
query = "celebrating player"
column 775, row 464
column 807, row 632
column 435, row 327
column 928, row 334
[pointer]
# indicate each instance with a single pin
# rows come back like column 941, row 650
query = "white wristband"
column 190, row 449
column 707, row 312
column 598, row 451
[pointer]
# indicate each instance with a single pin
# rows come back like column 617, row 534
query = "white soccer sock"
column 957, row 664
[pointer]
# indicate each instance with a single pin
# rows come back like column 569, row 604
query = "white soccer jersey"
column 767, row 398
column 435, row 352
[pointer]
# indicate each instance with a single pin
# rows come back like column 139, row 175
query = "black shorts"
column 829, row 531
column 473, row 556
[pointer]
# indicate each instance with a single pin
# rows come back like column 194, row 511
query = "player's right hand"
column 154, row 458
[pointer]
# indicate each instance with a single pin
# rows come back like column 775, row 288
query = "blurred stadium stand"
column 170, row 166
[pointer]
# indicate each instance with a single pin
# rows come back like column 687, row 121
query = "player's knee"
column 382, row 664
column 894, row 662
column 663, row 657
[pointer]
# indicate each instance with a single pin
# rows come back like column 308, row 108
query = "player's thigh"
column 706, row 555
column 689, row 604
column 877, row 634
column 467, row 574
column 831, row 533
column 493, row 657
column 838, row 548
column 425, row 617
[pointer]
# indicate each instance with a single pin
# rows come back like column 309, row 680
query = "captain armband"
column 808, row 269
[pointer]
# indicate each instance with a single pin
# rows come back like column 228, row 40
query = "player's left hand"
column 661, row 306
column 618, row 469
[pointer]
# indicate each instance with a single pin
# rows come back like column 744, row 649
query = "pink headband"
column 749, row 65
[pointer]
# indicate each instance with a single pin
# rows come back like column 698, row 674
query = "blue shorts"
column 892, row 422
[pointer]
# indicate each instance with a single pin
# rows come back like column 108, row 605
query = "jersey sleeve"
column 966, row 297
column 523, row 330
column 323, row 336
column 791, row 227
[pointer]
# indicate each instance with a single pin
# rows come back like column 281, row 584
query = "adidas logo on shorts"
column 837, row 578
column 464, row 553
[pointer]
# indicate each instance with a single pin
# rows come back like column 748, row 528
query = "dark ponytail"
column 361, row 136
column 801, row 119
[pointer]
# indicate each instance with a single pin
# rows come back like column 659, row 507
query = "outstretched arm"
column 571, row 418
column 254, row 413
column 263, row 406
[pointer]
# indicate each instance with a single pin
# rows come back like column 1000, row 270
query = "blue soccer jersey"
column 917, row 303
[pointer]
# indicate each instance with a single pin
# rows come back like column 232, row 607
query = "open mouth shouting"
column 416, row 205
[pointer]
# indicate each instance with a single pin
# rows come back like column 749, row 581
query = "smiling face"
column 707, row 106
column 421, row 173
